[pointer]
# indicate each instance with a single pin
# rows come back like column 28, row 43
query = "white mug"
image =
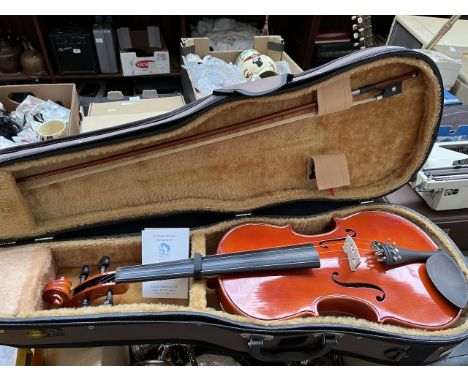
column 52, row 129
column 253, row 64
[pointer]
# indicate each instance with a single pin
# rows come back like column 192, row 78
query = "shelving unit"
column 35, row 28
column 299, row 33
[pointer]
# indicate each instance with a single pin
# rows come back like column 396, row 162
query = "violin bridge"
column 352, row 252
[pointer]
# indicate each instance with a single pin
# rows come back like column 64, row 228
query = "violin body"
column 399, row 295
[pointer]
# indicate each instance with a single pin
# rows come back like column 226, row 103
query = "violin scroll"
column 57, row 292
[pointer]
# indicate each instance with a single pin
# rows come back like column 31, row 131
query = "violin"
column 367, row 270
column 373, row 265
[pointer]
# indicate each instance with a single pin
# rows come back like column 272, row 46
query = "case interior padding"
column 385, row 142
column 29, row 267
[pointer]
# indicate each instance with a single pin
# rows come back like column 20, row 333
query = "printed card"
column 160, row 245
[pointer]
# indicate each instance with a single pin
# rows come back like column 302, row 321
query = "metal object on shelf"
column 32, row 61
column 104, row 41
column 163, row 355
column 9, row 57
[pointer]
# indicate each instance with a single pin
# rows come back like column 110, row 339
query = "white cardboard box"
column 155, row 57
column 460, row 89
column 109, row 114
column 449, row 67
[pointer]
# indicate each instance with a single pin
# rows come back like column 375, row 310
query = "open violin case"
column 295, row 150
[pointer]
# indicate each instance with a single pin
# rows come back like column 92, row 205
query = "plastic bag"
column 282, row 67
column 25, row 112
column 212, row 73
column 4, row 143
column 226, row 33
column 33, row 111
column 26, row 136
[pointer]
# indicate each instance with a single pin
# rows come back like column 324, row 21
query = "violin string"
column 340, row 242
column 325, row 242
column 111, row 277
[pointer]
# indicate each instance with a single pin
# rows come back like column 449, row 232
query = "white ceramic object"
column 252, row 63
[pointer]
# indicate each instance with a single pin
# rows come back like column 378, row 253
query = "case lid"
column 355, row 129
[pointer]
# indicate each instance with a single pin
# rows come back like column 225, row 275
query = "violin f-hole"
column 349, row 231
column 379, row 298
column 346, row 306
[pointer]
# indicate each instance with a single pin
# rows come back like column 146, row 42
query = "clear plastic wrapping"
column 212, row 73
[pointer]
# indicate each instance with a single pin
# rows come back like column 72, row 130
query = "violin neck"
column 273, row 259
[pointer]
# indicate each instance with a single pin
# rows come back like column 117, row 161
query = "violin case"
column 68, row 202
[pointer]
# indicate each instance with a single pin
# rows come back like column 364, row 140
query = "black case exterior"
column 269, row 344
column 295, row 343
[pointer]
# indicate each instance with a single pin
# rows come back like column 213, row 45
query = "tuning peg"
column 103, row 264
column 84, row 273
column 110, row 298
column 85, row 302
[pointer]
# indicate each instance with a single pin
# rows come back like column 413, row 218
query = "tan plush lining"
column 66, row 258
column 384, row 142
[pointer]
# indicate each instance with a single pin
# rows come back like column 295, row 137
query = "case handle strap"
column 256, row 350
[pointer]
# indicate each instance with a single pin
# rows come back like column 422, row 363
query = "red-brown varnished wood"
column 400, row 295
column 58, row 292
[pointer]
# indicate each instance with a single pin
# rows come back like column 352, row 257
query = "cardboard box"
column 64, row 94
column 272, row 46
column 109, row 114
column 449, row 67
column 94, row 356
column 143, row 52
column 460, row 89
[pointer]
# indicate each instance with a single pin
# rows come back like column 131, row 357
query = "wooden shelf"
column 21, row 77
column 298, row 31
column 107, row 76
column 36, row 28
column 65, row 77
